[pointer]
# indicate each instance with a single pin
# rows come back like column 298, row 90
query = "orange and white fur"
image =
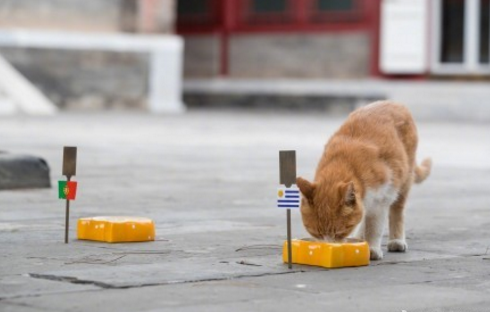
column 364, row 178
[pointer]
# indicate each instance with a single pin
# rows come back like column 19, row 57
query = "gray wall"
column 85, row 80
column 201, row 56
column 341, row 55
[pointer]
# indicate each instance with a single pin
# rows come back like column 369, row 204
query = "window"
column 335, row 11
column 452, row 26
column 191, row 7
column 269, row 6
column 267, row 12
column 197, row 13
column 335, row 5
column 461, row 37
column 271, row 15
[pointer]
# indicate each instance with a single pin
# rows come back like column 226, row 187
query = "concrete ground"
column 208, row 180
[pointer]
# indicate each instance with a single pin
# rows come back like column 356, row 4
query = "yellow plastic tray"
column 329, row 255
column 116, row 229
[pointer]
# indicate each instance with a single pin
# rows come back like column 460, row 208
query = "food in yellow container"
column 116, row 229
column 329, row 255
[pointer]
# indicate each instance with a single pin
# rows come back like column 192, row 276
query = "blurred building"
column 335, row 38
column 344, row 40
column 86, row 78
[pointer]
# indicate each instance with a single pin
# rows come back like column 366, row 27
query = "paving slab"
column 184, row 271
column 8, row 307
column 388, row 287
column 21, row 286
column 397, row 298
column 208, row 180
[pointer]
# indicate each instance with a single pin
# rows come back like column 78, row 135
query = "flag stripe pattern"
column 288, row 197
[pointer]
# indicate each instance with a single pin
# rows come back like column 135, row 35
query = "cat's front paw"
column 375, row 253
column 397, row 245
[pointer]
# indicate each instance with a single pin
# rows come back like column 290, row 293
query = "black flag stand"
column 67, row 214
column 287, row 176
column 69, row 170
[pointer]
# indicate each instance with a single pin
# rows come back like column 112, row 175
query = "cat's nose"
column 340, row 239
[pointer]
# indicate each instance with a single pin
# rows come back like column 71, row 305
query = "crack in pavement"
column 86, row 260
column 74, row 280
column 69, row 279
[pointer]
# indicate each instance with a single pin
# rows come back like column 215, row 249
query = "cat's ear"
column 349, row 193
column 307, row 188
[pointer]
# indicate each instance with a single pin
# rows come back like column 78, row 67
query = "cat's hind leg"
column 397, row 242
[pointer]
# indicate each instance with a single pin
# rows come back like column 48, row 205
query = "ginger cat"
column 364, row 176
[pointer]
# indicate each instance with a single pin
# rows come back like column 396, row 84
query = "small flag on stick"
column 287, row 177
column 288, row 197
column 67, row 190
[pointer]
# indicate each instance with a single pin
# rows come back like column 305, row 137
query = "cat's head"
column 330, row 211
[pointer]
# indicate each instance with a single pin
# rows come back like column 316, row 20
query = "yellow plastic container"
column 116, row 229
column 328, row 255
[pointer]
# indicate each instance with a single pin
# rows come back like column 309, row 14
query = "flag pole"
column 69, row 170
column 287, row 176
column 67, row 214
column 290, row 248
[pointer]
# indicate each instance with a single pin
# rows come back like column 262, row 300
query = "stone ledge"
column 427, row 99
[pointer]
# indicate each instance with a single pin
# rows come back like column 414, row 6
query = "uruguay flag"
column 288, row 197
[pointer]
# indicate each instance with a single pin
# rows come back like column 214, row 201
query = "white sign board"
column 404, row 34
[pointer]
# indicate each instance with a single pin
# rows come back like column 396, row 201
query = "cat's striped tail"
column 422, row 171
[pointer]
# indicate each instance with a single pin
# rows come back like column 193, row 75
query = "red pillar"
column 300, row 11
column 228, row 9
column 374, row 11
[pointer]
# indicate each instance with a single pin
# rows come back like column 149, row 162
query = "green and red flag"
column 67, row 190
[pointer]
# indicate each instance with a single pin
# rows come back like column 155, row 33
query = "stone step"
column 428, row 100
